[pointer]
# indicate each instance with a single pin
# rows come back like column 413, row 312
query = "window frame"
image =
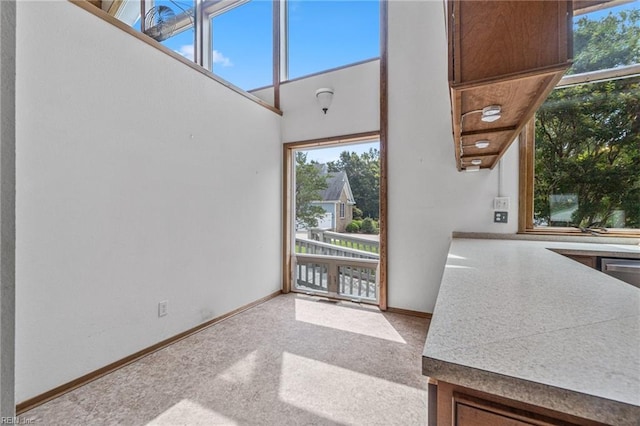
column 526, row 141
column 204, row 11
column 209, row 10
column 288, row 179
column 527, row 162
column 213, row 9
column 283, row 50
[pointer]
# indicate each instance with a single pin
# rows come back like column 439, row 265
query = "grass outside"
column 357, row 246
column 346, row 244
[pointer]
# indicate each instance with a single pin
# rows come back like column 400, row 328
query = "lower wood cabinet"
column 467, row 415
column 590, row 261
column 458, row 406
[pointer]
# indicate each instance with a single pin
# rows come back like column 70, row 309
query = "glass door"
column 336, row 199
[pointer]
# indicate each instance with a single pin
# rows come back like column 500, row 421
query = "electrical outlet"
column 501, row 203
column 500, row 217
column 162, row 308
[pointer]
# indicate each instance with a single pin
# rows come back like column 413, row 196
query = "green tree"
column 368, row 226
column 309, row 184
column 606, row 43
column 363, row 172
column 588, row 136
column 357, row 213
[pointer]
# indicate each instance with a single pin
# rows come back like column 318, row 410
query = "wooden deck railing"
column 351, row 241
column 349, row 277
column 305, row 246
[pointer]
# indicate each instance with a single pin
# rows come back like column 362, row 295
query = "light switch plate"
column 501, row 203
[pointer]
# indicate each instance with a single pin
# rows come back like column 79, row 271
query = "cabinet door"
column 589, row 261
column 459, row 406
column 508, row 53
column 498, row 38
column 472, row 416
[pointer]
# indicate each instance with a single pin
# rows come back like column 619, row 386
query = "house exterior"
column 337, row 201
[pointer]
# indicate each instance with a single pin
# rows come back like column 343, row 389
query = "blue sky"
column 329, row 34
column 324, row 155
column 323, row 34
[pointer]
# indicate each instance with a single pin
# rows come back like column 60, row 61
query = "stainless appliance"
column 627, row 270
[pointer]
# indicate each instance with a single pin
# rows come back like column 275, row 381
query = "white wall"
column 428, row 198
column 355, row 107
column 138, row 180
column 266, row 94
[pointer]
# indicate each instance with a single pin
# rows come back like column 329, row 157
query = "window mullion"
column 284, row 40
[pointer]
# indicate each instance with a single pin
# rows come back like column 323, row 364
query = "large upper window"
column 235, row 38
column 169, row 22
column 587, row 133
column 242, row 45
column 328, row 34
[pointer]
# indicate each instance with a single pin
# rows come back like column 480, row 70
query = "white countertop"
column 516, row 319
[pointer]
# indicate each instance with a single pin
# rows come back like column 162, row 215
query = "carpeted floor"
column 294, row 360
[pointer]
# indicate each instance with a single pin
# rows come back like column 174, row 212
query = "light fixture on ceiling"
column 476, row 161
column 324, row 96
column 491, row 113
column 472, row 168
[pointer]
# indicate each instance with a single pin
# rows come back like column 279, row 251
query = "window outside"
column 587, row 135
column 242, row 45
column 330, row 34
column 336, row 223
column 237, row 35
column 172, row 23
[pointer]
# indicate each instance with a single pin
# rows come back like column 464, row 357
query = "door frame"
column 288, row 208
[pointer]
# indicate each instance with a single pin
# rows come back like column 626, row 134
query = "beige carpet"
column 294, row 360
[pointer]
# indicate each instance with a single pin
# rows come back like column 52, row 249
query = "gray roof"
column 335, row 183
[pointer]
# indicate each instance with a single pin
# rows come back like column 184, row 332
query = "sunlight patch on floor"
column 242, row 371
column 366, row 322
column 343, row 395
column 191, row 412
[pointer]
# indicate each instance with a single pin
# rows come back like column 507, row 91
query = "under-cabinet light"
column 491, row 113
column 481, row 144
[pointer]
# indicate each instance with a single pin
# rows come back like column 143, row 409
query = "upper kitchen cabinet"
column 504, row 59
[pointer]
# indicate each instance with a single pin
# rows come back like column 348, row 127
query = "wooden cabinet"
column 467, row 415
column 505, row 53
column 459, row 406
column 590, row 261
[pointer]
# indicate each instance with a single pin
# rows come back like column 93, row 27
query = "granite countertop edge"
column 600, row 239
column 553, row 398
column 465, row 282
